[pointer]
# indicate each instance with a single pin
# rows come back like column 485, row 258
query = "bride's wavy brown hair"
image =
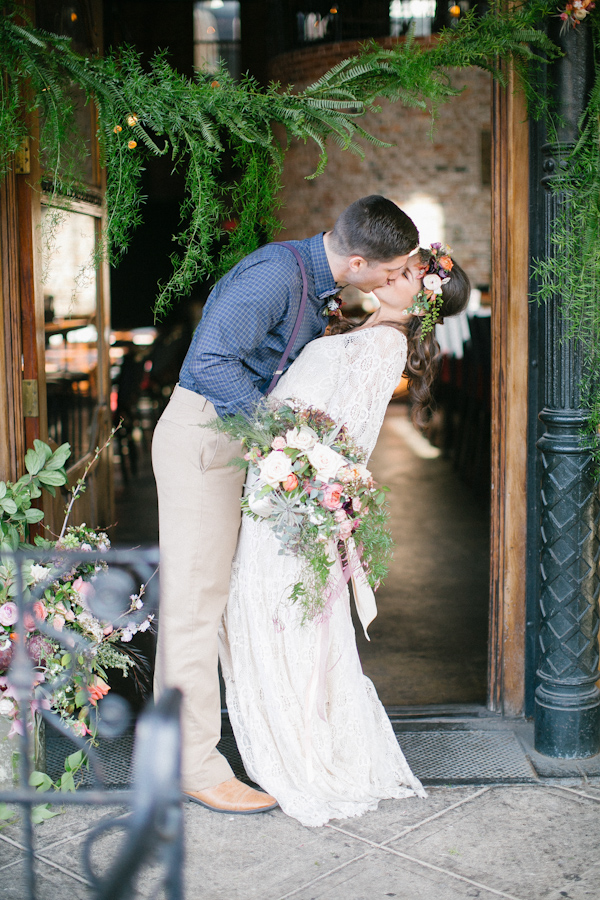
column 422, row 363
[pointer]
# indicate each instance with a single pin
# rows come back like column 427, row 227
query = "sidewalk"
column 533, row 841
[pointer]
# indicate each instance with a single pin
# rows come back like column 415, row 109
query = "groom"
column 245, row 328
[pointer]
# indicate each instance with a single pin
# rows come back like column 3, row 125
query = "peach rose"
column 278, row 443
column 446, row 263
column 290, row 483
column 39, row 610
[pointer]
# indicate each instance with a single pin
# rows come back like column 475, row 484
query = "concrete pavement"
column 520, row 842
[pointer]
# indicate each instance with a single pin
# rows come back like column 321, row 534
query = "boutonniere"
column 332, row 306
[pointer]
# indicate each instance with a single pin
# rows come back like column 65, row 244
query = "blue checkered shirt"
column 248, row 320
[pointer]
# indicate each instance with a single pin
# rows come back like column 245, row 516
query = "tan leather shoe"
column 233, row 796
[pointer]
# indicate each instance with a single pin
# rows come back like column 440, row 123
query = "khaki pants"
column 199, row 518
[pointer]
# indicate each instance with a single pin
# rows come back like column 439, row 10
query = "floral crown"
column 436, row 273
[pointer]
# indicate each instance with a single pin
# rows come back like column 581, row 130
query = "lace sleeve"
column 351, row 377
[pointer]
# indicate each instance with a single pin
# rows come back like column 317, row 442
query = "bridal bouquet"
column 307, row 480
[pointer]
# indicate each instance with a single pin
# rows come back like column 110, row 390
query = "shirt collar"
column 325, row 285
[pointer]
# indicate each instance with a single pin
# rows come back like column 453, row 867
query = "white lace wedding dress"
column 337, row 758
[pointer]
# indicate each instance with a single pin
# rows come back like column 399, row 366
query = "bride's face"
column 400, row 292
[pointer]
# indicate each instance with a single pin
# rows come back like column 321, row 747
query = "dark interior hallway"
column 428, row 642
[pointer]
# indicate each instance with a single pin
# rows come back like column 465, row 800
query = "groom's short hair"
column 374, row 228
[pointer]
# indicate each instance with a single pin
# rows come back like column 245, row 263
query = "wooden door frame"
column 510, row 363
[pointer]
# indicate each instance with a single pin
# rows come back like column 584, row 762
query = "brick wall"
column 438, row 178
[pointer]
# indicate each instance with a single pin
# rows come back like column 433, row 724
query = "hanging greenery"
column 571, row 271
column 198, row 122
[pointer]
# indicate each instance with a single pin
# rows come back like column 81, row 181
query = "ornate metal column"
column 567, row 702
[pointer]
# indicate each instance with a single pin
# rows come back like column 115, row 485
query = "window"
column 217, row 35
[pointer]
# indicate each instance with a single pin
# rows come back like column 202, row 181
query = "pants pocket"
column 208, row 449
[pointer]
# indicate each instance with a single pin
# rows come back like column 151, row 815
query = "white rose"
column 260, row 506
column 38, row 573
column 362, row 472
column 6, row 706
column 275, row 467
column 303, row 438
column 433, row 283
column 326, row 461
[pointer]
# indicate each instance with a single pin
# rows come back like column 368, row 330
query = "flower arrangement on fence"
column 307, row 480
column 71, row 649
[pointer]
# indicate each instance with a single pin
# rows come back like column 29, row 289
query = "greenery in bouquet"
column 307, row 480
column 70, row 647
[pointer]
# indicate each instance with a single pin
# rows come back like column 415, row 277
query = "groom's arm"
column 237, row 324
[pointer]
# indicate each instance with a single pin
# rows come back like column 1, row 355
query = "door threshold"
column 440, row 711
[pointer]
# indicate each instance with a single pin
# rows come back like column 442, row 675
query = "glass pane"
column 217, row 35
column 69, row 286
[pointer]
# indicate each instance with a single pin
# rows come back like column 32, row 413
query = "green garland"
column 197, row 121
column 572, row 272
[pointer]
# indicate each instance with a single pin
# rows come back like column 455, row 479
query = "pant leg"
column 199, row 518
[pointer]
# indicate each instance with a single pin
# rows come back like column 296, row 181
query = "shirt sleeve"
column 240, row 319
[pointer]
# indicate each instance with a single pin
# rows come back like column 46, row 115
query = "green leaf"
column 67, row 782
column 34, row 515
column 80, row 698
column 59, row 457
column 65, row 660
column 43, row 449
column 40, row 781
column 5, row 812
column 40, row 813
column 52, row 478
column 34, row 491
column 2, row 489
column 34, row 462
column 9, row 506
column 74, row 761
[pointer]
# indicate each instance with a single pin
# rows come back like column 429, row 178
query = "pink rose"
column 340, row 515
column 29, row 622
column 84, row 589
column 356, row 504
column 58, row 623
column 345, row 529
column 333, row 494
column 81, row 729
column 9, row 613
column 278, row 443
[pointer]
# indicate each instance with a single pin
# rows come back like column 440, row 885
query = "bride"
column 335, row 759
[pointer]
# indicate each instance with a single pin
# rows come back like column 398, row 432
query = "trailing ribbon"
column 366, row 609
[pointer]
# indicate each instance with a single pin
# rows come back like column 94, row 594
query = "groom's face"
column 367, row 276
